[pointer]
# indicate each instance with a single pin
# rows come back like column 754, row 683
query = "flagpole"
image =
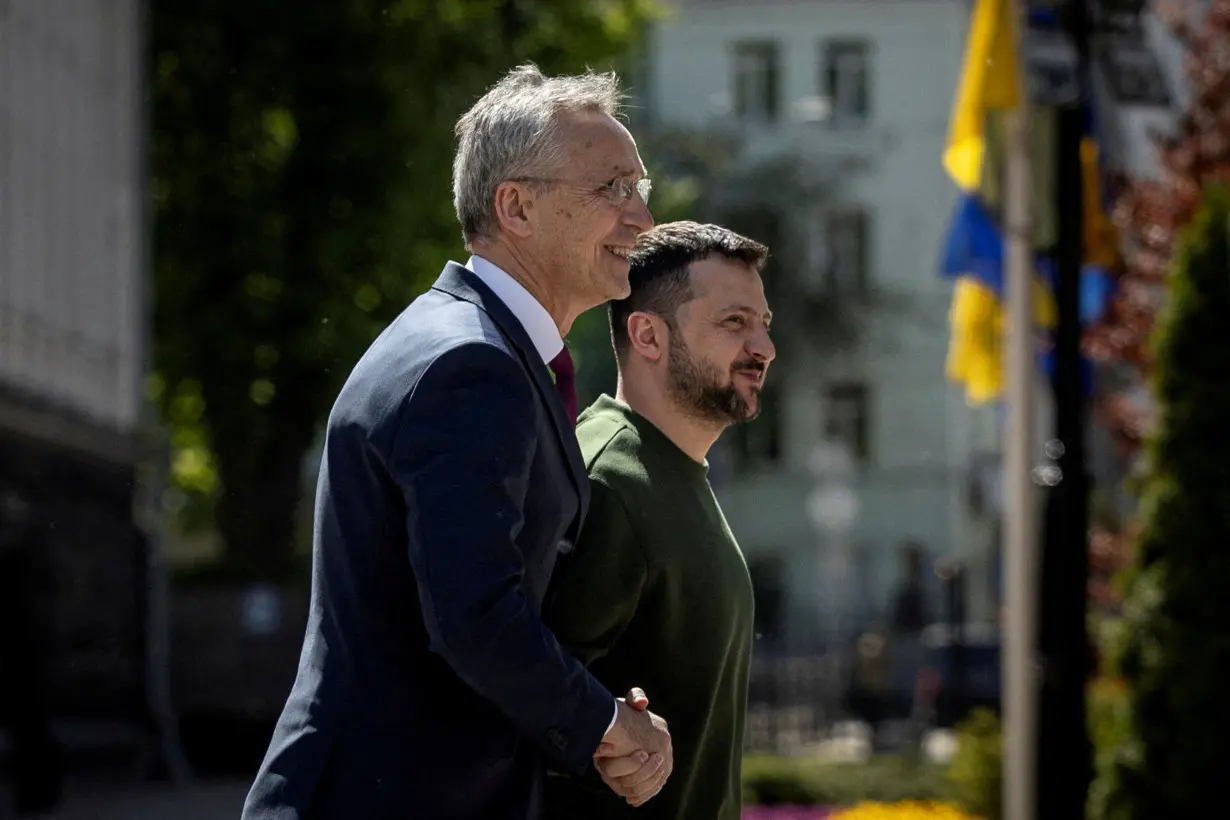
column 1019, row 681
column 1062, row 781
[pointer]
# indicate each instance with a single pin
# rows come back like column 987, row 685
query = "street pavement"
column 202, row 800
column 113, row 798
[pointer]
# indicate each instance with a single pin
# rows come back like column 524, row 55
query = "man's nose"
column 761, row 346
column 637, row 214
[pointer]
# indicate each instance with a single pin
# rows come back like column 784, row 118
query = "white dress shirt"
column 538, row 324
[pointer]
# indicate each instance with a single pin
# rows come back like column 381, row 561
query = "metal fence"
column 794, row 702
column 880, row 693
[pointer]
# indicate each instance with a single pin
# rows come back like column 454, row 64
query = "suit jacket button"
column 565, row 546
column 557, row 739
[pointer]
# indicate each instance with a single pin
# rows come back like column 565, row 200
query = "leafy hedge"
column 1170, row 760
column 771, row 781
column 977, row 770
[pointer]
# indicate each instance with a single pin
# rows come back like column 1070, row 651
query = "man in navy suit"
column 428, row 686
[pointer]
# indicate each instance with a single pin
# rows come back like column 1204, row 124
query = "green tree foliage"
column 301, row 184
column 1170, row 759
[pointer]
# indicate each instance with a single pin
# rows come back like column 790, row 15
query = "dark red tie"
column 566, row 382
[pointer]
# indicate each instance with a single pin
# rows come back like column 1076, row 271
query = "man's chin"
column 620, row 286
column 751, row 406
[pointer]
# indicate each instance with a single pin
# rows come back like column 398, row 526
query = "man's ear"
column 647, row 335
column 514, row 208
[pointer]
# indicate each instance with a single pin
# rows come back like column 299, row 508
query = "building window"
column 845, row 80
column 756, row 445
column 1133, row 74
column 840, row 254
column 1120, row 15
column 765, row 226
column 756, row 78
column 847, row 418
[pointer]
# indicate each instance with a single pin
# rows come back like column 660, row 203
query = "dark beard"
column 701, row 390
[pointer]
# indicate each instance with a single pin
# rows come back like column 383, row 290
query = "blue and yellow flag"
column 973, row 252
column 990, row 80
column 973, row 255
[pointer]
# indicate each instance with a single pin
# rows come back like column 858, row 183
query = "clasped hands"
column 635, row 757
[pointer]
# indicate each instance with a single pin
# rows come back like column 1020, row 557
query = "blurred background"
column 209, row 209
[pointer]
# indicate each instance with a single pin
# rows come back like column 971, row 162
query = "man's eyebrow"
column 627, row 171
column 768, row 314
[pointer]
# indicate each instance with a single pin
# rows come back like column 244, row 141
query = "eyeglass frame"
column 643, row 187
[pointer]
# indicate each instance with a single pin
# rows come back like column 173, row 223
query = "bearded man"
column 656, row 592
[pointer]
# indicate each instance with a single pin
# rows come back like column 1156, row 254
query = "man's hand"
column 635, row 757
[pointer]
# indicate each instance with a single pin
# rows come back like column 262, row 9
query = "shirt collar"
column 538, row 324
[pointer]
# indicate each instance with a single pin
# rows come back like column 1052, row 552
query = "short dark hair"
column 658, row 273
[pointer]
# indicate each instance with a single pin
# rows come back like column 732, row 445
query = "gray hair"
column 512, row 131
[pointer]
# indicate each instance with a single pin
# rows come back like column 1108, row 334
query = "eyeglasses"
column 617, row 191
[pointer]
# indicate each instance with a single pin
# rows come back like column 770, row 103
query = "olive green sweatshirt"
column 656, row 594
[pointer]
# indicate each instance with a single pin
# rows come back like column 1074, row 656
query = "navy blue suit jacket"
column 428, row 686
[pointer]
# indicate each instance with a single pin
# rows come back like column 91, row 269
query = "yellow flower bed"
column 903, row 811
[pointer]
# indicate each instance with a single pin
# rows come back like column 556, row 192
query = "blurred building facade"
column 862, row 447
column 73, row 347
column 1140, row 91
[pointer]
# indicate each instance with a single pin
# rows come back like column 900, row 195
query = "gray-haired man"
column 451, row 481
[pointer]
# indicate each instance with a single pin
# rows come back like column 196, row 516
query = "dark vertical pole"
column 957, row 618
column 1064, row 752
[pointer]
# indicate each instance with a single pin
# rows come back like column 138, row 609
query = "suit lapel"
column 461, row 283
